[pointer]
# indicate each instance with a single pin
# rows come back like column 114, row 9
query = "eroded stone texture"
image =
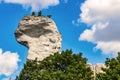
column 39, row 35
column 97, row 68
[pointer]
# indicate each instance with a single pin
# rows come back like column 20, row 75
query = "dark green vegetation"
column 49, row 16
column 68, row 66
column 64, row 66
column 112, row 72
column 40, row 14
column 33, row 13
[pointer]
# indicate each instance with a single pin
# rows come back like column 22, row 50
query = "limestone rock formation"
column 40, row 35
column 97, row 68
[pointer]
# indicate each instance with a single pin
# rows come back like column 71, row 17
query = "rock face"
column 97, row 68
column 40, row 35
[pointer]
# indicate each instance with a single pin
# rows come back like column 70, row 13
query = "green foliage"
column 64, row 66
column 49, row 16
column 112, row 72
column 40, row 13
column 33, row 13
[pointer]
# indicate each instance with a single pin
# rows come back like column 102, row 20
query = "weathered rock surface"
column 97, row 68
column 39, row 35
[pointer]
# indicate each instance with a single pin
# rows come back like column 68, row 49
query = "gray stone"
column 40, row 35
column 96, row 68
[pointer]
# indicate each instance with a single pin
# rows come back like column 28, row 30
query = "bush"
column 64, row 66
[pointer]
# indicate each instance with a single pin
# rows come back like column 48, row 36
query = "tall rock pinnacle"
column 40, row 35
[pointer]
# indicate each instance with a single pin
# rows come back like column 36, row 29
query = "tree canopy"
column 112, row 70
column 33, row 14
column 40, row 13
column 49, row 16
column 60, row 66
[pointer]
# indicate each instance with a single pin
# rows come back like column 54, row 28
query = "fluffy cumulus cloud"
column 103, row 19
column 8, row 62
column 34, row 4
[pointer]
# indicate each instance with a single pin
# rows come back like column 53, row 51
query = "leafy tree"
column 64, row 66
column 40, row 13
column 33, row 13
column 49, row 16
column 112, row 72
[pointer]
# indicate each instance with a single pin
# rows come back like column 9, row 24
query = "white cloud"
column 88, row 35
column 108, row 47
column 36, row 5
column 8, row 62
column 104, row 18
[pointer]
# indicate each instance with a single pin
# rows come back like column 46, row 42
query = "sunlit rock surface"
column 40, row 35
column 97, row 68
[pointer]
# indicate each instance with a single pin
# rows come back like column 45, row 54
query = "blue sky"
column 87, row 26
